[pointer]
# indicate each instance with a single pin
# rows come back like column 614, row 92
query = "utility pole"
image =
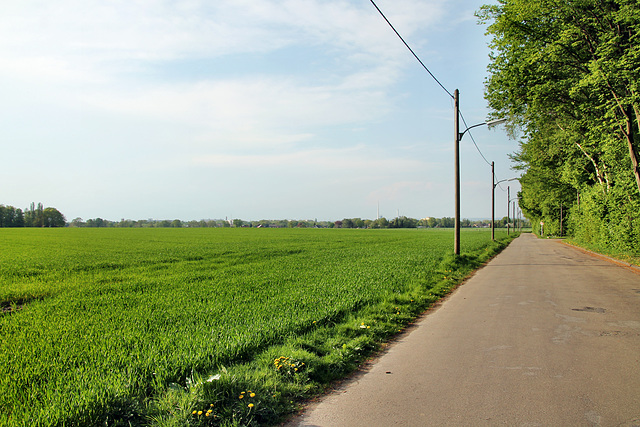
column 493, row 201
column 520, row 222
column 456, row 98
column 456, row 125
column 508, row 206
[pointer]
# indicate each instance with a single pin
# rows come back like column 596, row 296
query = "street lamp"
column 458, row 137
column 490, row 124
column 493, row 200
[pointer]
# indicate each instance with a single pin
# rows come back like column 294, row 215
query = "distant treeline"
column 39, row 216
column 405, row 222
column 203, row 223
column 399, row 222
column 34, row 216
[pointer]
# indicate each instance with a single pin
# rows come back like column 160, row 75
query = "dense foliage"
column 107, row 326
column 33, row 217
column 566, row 74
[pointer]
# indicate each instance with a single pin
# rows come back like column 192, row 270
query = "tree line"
column 405, row 222
column 399, row 222
column 566, row 75
column 39, row 216
column 34, row 216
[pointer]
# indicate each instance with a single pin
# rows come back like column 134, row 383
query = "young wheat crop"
column 96, row 323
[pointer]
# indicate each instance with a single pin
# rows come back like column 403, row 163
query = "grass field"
column 153, row 326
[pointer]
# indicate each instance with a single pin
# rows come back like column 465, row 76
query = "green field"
column 146, row 326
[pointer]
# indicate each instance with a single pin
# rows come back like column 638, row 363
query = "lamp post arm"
column 504, row 180
column 470, row 127
column 490, row 124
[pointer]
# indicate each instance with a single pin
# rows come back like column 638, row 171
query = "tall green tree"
column 34, row 216
column 566, row 74
column 11, row 217
column 51, row 217
column 572, row 65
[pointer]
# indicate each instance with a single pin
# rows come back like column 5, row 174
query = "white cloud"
column 96, row 55
column 355, row 161
column 104, row 35
column 247, row 112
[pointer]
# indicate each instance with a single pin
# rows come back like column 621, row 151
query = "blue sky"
column 252, row 109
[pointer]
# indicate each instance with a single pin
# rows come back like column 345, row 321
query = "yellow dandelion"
column 199, row 412
column 250, row 405
column 208, row 414
column 252, row 395
column 194, row 412
column 241, row 396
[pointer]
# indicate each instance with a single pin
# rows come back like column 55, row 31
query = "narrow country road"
column 544, row 335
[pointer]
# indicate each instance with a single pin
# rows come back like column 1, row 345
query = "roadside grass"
column 630, row 258
column 205, row 327
column 276, row 382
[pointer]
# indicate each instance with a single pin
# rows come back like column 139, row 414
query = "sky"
column 251, row 109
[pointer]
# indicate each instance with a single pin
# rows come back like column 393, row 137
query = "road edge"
column 634, row 268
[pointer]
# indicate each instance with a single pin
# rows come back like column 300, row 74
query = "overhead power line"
column 410, row 50
column 480, row 152
column 474, row 141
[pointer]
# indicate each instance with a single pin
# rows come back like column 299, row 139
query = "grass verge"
column 276, row 381
column 622, row 257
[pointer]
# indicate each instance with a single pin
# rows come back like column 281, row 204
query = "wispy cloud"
column 97, row 55
column 355, row 160
column 108, row 34
column 246, row 112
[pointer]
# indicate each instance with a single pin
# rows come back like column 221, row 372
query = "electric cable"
column 436, row 80
column 472, row 139
column 411, row 50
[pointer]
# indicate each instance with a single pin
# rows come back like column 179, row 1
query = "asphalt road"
column 544, row 335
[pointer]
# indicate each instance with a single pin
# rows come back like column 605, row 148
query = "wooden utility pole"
column 514, row 207
column 508, row 207
column 493, row 201
column 456, row 125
